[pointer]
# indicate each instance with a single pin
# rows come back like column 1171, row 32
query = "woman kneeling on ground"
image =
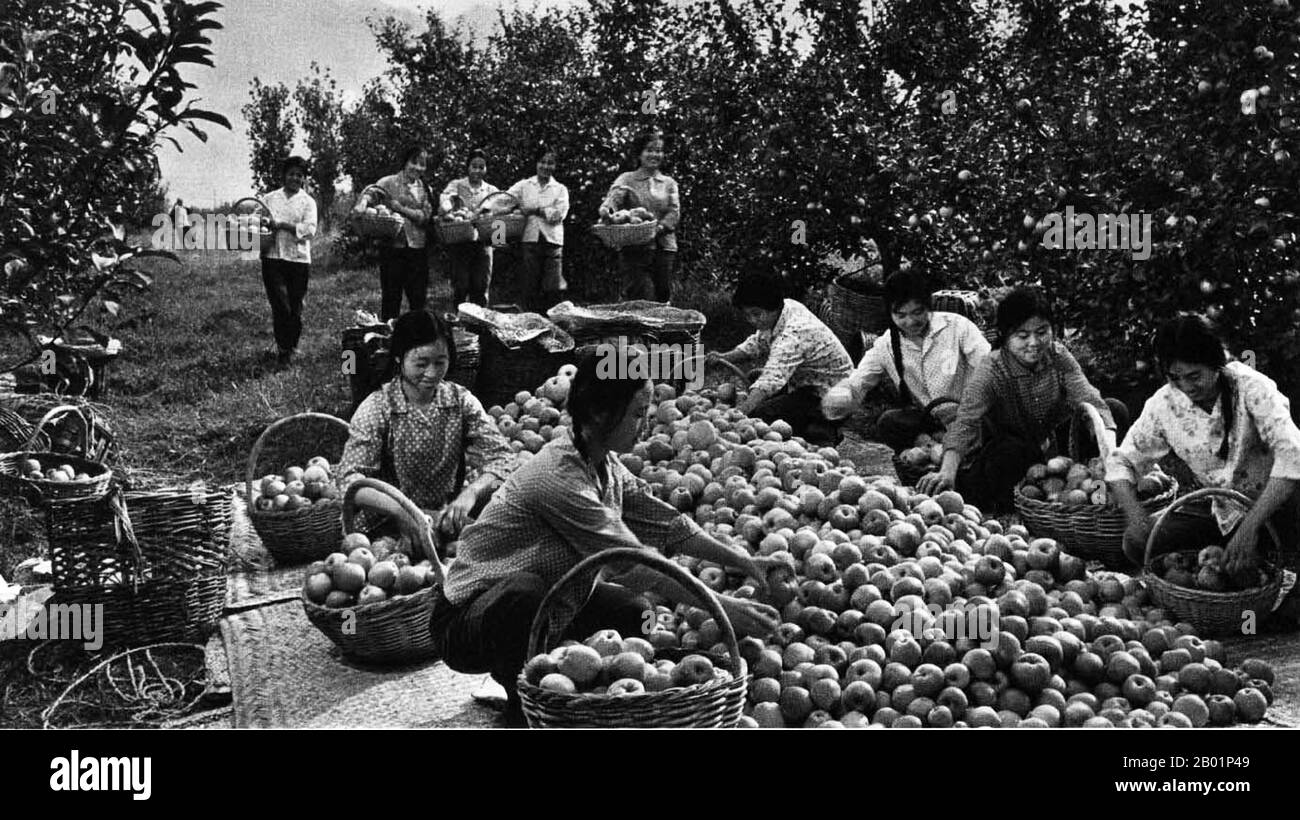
column 573, row 499
column 1018, row 400
column 1232, row 428
column 927, row 355
column 803, row 358
column 427, row 436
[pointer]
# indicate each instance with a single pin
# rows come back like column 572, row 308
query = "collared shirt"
column 1265, row 442
column 470, row 196
column 1014, row 400
column 939, row 367
column 299, row 209
column 419, row 448
column 552, row 198
column 657, row 193
column 801, row 351
column 410, row 195
column 556, row 510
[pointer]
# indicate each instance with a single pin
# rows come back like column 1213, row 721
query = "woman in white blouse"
column 546, row 204
column 470, row 262
column 286, row 265
column 1233, row 428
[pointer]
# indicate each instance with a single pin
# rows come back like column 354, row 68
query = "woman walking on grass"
column 286, row 265
column 404, row 263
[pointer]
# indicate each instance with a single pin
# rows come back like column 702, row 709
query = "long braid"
column 896, row 344
column 1228, row 395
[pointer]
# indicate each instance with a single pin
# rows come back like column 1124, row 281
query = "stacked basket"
column 369, row 346
column 850, row 311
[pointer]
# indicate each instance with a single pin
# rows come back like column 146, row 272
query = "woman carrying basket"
column 571, row 500
column 427, row 436
column 470, row 262
column 546, row 204
column 1232, row 428
column 647, row 270
column 926, row 355
column 286, row 265
column 1016, row 400
column 403, row 263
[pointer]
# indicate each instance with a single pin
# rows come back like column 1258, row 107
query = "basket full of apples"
column 1199, row 586
column 627, row 226
column 1069, row 501
column 926, row 453
column 377, row 221
column 297, row 513
column 40, row 475
column 374, row 600
column 456, row 227
column 608, row 682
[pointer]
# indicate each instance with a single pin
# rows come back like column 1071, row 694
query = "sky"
column 276, row 41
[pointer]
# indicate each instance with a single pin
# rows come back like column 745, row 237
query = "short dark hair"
column 417, row 328
column 294, row 161
column 1021, row 305
column 908, row 286
column 413, row 151
column 592, row 393
column 544, row 150
column 763, row 288
column 477, row 153
column 639, row 143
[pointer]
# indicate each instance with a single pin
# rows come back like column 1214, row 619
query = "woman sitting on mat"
column 428, row 436
column 571, row 500
column 935, row 352
column 1232, row 428
column 801, row 357
column 1022, row 392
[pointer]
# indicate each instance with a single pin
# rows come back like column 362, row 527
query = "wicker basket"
column 396, row 630
column 907, row 473
column 504, row 371
column 16, row 432
column 490, row 227
column 294, row 536
column 377, row 226
column 716, row 704
column 245, row 232
column 454, row 233
column 848, row 313
column 718, row 372
column 1212, row 613
column 626, row 235
column 155, row 560
column 1087, row 531
column 14, row 484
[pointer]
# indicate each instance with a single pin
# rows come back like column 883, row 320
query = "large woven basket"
column 377, row 226
column 848, row 313
column 246, row 232
column 626, row 235
column 454, row 233
column 1212, row 613
column 505, row 371
column 155, row 560
column 506, row 227
column 396, row 630
column 909, row 474
column 1088, row 531
column 294, row 536
column 712, row 705
column 14, row 484
column 15, row 431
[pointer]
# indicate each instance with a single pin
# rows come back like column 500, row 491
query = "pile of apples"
column 926, row 451
column 363, row 573
column 531, row 420
column 296, row 489
column 632, row 216
column 380, row 210
column 1073, row 483
column 61, row 474
column 1205, row 570
column 606, row 664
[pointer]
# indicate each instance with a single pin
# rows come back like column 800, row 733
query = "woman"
column 470, row 262
column 802, row 358
column 926, row 355
column 546, row 204
column 1232, row 428
column 404, row 263
column 1017, row 399
column 286, row 265
column 571, row 500
column 647, row 270
column 428, row 436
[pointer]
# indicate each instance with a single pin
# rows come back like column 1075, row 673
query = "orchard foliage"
column 87, row 90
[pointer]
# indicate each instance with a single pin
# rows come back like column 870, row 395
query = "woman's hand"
column 935, row 483
column 837, row 403
column 1242, row 551
column 749, row 617
column 456, row 514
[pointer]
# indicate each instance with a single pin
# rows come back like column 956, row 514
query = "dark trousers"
column 801, row 409
column 470, row 265
column 286, row 286
column 541, row 278
column 490, row 632
column 647, row 272
column 402, row 270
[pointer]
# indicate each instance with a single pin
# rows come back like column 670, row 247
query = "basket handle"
column 939, row 402
column 496, row 194
column 653, row 560
column 1098, row 430
column 259, row 203
column 416, row 523
column 636, row 198
column 260, row 444
column 87, row 429
column 723, row 363
column 375, row 189
column 1205, row 492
